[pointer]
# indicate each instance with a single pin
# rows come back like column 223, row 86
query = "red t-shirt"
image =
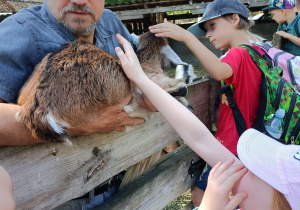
column 246, row 80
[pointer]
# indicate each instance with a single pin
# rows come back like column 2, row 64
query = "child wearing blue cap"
column 284, row 14
column 224, row 23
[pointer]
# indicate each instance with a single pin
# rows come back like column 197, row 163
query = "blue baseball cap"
column 280, row 4
column 216, row 9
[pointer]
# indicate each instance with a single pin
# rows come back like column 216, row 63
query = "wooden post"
column 214, row 87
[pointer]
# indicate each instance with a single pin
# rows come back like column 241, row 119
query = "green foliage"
column 179, row 12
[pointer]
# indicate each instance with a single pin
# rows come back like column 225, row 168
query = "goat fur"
column 73, row 86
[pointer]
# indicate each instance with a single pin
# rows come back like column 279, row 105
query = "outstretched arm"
column 218, row 71
column 187, row 125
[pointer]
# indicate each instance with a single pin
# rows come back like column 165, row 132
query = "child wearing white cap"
column 225, row 24
column 274, row 169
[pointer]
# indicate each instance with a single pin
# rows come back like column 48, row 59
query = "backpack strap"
column 237, row 115
column 268, row 58
column 296, row 28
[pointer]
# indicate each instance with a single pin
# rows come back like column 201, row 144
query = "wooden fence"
column 49, row 174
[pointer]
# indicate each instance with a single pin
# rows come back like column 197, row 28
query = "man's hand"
column 114, row 118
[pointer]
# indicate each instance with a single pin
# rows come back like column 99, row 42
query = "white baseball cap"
column 273, row 162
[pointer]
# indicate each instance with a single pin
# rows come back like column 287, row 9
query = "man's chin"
column 79, row 28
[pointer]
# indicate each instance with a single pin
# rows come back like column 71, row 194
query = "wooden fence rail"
column 49, row 174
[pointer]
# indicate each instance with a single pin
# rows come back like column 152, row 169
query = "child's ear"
column 283, row 11
column 235, row 20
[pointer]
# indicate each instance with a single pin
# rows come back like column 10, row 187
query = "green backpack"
column 275, row 93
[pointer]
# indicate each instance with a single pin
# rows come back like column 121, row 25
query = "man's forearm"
column 11, row 131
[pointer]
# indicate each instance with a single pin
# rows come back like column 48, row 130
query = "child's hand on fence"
column 283, row 34
column 220, row 182
column 130, row 62
column 170, row 30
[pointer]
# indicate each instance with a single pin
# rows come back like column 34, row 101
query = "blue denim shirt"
column 26, row 37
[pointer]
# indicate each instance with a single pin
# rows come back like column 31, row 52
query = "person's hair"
column 297, row 4
column 279, row 201
column 244, row 23
column 254, row 38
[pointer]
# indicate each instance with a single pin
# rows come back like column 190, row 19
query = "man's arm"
column 12, row 132
column 114, row 118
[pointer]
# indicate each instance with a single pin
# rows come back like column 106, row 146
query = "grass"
column 180, row 202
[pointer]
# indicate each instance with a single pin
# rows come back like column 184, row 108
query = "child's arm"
column 211, row 63
column 292, row 38
column 7, row 200
column 186, row 124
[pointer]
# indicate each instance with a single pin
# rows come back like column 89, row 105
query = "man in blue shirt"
column 26, row 37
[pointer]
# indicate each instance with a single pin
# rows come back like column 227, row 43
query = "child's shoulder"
column 240, row 55
column 239, row 51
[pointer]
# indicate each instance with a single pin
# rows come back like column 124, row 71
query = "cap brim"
column 196, row 30
column 258, row 153
column 268, row 8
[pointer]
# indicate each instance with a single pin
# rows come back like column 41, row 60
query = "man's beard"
column 80, row 30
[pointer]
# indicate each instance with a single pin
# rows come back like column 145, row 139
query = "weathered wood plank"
column 129, row 14
column 137, row 169
column 197, row 8
column 47, row 175
column 214, row 88
column 159, row 186
column 43, row 180
column 198, row 97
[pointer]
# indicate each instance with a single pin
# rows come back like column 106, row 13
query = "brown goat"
column 69, row 88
